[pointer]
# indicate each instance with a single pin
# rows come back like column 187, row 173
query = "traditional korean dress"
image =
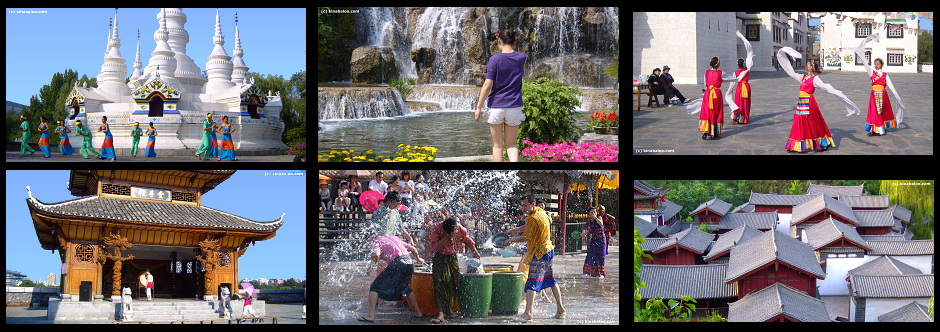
column 64, row 146
column 44, row 140
column 107, row 147
column 742, row 97
column 880, row 113
column 809, row 130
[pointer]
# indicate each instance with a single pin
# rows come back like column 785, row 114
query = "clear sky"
column 44, row 41
column 256, row 195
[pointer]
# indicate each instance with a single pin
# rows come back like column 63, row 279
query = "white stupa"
column 172, row 93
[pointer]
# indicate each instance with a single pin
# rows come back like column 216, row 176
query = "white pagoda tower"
column 172, row 93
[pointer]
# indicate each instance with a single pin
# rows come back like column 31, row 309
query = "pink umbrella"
column 370, row 200
column 249, row 289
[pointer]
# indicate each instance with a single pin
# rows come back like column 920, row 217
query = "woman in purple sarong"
column 597, row 248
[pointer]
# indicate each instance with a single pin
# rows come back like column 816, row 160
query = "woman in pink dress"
column 880, row 114
column 809, row 130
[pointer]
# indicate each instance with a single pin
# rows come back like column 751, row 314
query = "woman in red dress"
column 742, row 96
column 809, row 130
column 880, row 114
column 712, row 118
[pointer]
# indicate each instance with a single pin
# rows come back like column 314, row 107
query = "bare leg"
column 413, row 301
column 496, row 131
column 529, row 302
column 557, row 292
column 511, row 133
column 373, row 301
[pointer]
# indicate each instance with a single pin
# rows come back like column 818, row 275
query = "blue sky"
column 256, row 195
column 44, row 41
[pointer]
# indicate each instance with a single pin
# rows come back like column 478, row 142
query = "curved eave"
column 46, row 219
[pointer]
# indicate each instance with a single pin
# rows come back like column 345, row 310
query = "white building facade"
column 842, row 32
column 686, row 42
column 172, row 93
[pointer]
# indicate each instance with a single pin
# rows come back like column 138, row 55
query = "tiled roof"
column 671, row 209
column 873, row 201
column 874, row 218
column 692, row 239
column 758, row 220
column 818, row 204
column 778, row 299
column 715, row 204
column 885, row 265
column 728, row 240
column 783, row 200
column 645, row 227
column 901, row 248
column 647, row 188
column 696, row 281
column 653, row 243
column 912, row 312
column 152, row 212
column 908, row 285
column 768, row 247
column 901, row 213
column 829, row 231
column 835, row 191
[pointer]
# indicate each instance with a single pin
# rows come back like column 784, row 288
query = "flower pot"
column 600, row 130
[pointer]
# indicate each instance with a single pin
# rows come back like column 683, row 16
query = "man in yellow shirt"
column 536, row 234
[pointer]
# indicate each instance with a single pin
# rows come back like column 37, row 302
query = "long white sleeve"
column 785, row 62
column 748, row 61
column 899, row 115
column 849, row 105
column 860, row 51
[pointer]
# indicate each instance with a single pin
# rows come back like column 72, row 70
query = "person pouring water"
column 539, row 257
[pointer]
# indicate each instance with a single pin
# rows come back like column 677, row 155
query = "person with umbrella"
column 146, row 280
column 249, row 294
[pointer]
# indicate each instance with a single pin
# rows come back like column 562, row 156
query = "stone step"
column 170, row 311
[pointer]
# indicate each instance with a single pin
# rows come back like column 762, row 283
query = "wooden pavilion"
column 128, row 221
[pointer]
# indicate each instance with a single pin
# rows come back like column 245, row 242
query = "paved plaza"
column 670, row 130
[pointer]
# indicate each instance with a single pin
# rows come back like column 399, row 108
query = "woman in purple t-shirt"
column 504, row 77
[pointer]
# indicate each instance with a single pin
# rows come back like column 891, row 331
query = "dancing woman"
column 742, row 95
column 809, row 130
column 712, row 107
column 880, row 114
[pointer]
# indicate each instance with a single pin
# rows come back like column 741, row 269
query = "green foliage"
column 549, row 110
column 402, row 85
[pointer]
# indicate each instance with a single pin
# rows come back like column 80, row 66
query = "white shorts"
column 510, row 116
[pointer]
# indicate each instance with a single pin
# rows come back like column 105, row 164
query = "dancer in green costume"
column 206, row 132
column 135, row 133
column 25, row 145
column 83, row 131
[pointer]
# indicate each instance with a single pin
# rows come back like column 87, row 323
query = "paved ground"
column 290, row 313
column 670, row 130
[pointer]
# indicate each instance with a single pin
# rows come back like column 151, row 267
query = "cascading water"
column 453, row 45
column 346, row 267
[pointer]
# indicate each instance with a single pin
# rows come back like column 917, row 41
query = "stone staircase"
column 155, row 311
